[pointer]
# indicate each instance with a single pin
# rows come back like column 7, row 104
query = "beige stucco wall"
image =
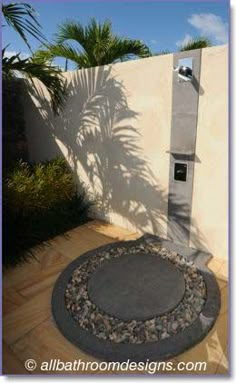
column 115, row 133
column 210, row 189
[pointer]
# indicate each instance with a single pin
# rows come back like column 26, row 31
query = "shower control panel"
column 180, row 172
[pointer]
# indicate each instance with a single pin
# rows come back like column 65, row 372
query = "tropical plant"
column 196, row 43
column 161, row 53
column 22, row 17
column 97, row 45
column 32, row 68
column 39, row 202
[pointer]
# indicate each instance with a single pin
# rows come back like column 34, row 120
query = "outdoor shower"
column 185, row 96
column 151, row 298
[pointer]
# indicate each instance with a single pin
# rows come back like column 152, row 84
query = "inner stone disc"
column 136, row 286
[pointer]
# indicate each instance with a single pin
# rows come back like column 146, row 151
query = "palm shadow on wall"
column 97, row 128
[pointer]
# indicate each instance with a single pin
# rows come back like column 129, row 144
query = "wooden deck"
column 28, row 327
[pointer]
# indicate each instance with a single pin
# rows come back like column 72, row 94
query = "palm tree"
column 161, row 53
column 196, row 43
column 31, row 69
column 22, row 18
column 96, row 45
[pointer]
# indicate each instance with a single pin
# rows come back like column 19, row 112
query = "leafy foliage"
column 14, row 140
column 35, row 67
column 40, row 201
column 196, row 43
column 97, row 45
column 46, row 184
column 22, row 18
column 161, row 53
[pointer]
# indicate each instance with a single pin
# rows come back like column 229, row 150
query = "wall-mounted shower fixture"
column 185, row 69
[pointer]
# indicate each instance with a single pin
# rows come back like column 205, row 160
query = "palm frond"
column 125, row 49
column 22, row 18
column 10, row 63
column 161, row 53
column 61, row 50
column 70, row 30
column 97, row 45
column 196, row 43
column 32, row 68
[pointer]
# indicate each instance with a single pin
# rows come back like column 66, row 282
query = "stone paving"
column 30, row 332
column 176, row 287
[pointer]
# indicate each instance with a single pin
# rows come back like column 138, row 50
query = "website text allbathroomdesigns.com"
column 149, row 367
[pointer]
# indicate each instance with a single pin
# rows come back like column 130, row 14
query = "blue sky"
column 162, row 25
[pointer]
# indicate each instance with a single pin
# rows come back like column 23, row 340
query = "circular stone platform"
column 136, row 287
column 136, row 300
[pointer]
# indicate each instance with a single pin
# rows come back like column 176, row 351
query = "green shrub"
column 30, row 188
column 39, row 202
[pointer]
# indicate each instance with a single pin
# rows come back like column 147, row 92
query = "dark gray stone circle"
column 136, row 286
column 82, row 331
column 129, row 329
